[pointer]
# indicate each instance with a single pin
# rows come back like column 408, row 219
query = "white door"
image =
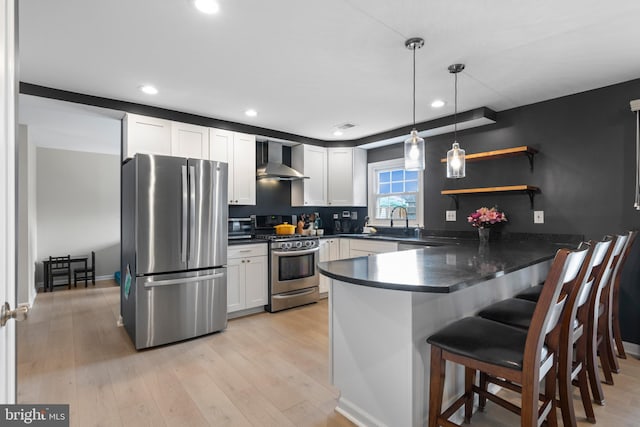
column 189, row 141
column 244, row 169
column 256, row 281
column 7, row 198
column 340, row 170
column 235, row 284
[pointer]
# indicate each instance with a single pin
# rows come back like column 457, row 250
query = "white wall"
column 78, row 206
column 27, row 244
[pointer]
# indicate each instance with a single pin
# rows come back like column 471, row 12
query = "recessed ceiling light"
column 337, row 133
column 148, row 89
column 207, row 6
column 251, row 113
column 438, row 103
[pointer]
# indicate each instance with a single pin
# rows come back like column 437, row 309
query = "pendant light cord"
column 455, row 109
column 414, row 86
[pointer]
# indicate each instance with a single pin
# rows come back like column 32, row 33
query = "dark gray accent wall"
column 585, row 170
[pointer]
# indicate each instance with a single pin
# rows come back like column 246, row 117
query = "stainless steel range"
column 293, row 276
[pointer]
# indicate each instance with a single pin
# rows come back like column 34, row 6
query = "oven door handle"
column 294, row 293
column 294, row 253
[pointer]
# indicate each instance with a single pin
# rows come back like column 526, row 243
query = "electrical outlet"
column 538, row 217
column 450, row 216
column 336, row 216
column 354, row 214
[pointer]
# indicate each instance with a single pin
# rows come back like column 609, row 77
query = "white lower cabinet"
column 359, row 247
column 329, row 251
column 246, row 277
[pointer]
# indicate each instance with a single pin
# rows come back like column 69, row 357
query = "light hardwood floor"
column 264, row 370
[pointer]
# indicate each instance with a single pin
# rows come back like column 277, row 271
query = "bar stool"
column 614, row 307
column 571, row 364
column 520, row 358
column 599, row 340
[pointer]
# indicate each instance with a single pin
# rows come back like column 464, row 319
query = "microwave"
column 240, row 228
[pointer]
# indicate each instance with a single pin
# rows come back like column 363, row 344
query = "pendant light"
column 414, row 145
column 455, row 156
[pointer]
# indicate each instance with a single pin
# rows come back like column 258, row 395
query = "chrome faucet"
column 406, row 215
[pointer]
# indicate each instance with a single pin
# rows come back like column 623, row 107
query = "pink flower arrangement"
column 485, row 217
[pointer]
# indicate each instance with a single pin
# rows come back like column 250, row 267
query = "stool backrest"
column 565, row 268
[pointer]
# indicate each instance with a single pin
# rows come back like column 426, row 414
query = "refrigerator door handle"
column 192, row 213
column 183, row 247
column 153, row 284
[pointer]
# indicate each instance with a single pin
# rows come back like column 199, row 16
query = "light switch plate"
column 538, row 217
column 450, row 216
column 354, row 214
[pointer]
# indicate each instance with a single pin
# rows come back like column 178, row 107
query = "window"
column 391, row 188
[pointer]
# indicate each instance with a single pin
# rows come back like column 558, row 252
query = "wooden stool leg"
column 618, row 338
column 611, row 353
column 469, row 380
column 565, row 388
column 604, row 362
column 482, row 401
column 436, row 385
column 592, row 370
column 550, row 394
column 585, row 396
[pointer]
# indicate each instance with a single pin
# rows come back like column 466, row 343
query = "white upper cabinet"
column 147, row 135
column 312, row 162
column 244, row 169
column 189, row 141
column 347, row 176
column 239, row 151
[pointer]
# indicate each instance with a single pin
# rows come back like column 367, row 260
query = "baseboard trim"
column 355, row 414
column 61, row 282
column 632, row 349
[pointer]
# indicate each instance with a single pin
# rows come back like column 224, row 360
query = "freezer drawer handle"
column 151, row 284
column 294, row 294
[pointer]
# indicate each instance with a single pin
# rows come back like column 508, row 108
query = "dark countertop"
column 441, row 269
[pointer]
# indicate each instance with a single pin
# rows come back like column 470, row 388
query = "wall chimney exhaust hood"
column 273, row 168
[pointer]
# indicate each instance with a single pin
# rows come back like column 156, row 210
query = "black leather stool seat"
column 531, row 294
column 513, row 311
column 484, row 340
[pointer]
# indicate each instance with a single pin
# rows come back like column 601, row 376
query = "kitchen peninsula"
column 383, row 308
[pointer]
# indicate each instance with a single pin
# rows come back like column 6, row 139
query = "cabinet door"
column 221, row 150
column 235, row 284
column 315, row 167
column 334, row 249
column 220, row 145
column 340, row 170
column 244, row 169
column 255, row 281
column 146, row 135
column 189, row 141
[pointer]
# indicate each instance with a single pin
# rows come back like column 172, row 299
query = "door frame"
column 8, row 99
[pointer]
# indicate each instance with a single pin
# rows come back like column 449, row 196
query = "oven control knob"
column 286, row 245
column 298, row 244
column 309, row 244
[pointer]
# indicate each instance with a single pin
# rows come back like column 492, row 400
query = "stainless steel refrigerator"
column 174, row 248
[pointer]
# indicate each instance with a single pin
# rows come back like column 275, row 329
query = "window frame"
column 372, row 176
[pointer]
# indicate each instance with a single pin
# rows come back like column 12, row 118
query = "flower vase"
column 483, row 235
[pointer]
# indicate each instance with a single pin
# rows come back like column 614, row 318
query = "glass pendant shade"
column 414, row 152
column 455, row 162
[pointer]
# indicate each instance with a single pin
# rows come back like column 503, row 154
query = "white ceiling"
column 309, row 66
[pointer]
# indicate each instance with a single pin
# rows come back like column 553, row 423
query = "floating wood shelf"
column 529, row 189
column 523, row 150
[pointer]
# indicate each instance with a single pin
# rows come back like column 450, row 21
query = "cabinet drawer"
column 372, row 247
column 243, row 251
